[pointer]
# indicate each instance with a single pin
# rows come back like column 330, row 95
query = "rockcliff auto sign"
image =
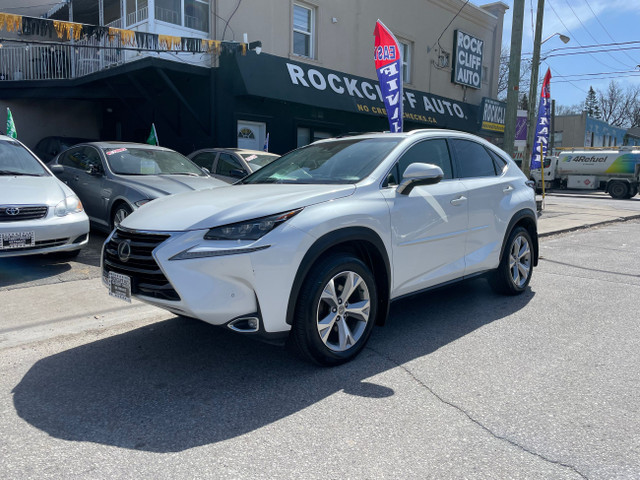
column 310, row 85
column 467, row 60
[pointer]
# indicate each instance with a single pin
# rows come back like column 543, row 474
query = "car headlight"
column 71, row 204
column 251, row 229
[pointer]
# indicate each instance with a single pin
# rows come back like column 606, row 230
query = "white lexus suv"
column 314, row 246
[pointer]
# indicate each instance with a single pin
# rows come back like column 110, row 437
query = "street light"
column 533, row 87
column 564, row 38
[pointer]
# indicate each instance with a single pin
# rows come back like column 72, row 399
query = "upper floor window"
column 303, row 30
column 406, row 61
column 195, row 15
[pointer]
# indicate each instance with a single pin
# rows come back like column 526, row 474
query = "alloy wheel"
column 343, row 311
column 520, row 261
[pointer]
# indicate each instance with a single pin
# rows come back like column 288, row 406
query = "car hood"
column 221, row 206
column 25, row 190
column 161, row 185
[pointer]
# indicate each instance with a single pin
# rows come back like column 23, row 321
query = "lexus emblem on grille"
column 124, row 250
column 12, row 210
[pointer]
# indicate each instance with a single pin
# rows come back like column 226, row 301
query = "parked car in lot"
column 231, row 164
column 38, row 213
column 48, row 147
column 315, row 245
column 114, row 178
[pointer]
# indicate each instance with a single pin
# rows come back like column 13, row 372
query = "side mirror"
column 237, row 173
column 418, row 174
column 56, row 169
column 205, row 170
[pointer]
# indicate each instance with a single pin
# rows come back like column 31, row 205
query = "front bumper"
column 226, row 280
column 52, row 234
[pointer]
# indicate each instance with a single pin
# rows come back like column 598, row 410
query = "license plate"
column 11, row 240
column 120, row 286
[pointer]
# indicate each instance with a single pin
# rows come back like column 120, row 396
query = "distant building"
column 584, row 131
column 632, row 136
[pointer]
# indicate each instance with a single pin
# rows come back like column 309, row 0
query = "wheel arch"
column 527, row 219
column 114, row 205
column 359, row 241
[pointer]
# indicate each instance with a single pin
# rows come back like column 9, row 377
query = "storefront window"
column 196, row 14
column 303, row 20
column 307, row 135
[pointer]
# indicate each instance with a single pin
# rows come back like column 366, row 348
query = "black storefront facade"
column 195, row 107
column 297, row 103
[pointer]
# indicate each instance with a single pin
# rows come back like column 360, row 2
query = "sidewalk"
column 567, row 216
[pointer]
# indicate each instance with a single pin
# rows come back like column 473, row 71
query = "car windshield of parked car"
column 16, row 160
column 257, row 161
column 336, row 161
column 143, row 161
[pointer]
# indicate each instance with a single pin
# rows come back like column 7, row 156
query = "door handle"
column 508, row 189
column 458, row 201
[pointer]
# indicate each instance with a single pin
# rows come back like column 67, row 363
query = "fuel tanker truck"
column 613, row 170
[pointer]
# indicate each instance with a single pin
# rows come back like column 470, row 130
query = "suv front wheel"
column 336, row 310
column 516, row 265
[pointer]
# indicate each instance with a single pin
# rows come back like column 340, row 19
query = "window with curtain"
column 303, row 30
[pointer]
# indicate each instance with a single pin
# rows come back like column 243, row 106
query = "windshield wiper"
column 10, row 172
column 190, row 174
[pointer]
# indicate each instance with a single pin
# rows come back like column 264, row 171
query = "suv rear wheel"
column 336, row 310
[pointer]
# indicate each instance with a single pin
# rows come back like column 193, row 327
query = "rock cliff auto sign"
column 467, row 60
column 305, row 84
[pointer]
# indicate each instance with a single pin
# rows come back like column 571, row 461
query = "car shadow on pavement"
column 181, row 383
column 18, row 270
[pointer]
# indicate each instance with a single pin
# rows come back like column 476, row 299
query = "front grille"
column 146, row 277
column 15, row 213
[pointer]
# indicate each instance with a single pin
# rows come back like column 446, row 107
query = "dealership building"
column 229, row 73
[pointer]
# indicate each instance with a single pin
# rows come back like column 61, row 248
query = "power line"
column 607, row 31
column 588, row 32
column 445, row 28
column 599, row 73
column 573, row 35
column 604, row 50
column 568, row 81
column 597, row 78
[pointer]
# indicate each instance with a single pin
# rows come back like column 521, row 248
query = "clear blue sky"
column 586, row 22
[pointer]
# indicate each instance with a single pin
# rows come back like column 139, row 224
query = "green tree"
column 591, row 104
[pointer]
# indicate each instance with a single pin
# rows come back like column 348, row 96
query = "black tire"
column 342, row 320
column 120, row 212
column 619, row 190
column 517, row 259
column 632, row 193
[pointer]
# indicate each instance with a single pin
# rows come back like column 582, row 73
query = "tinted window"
column 429, row 151
column 499, row 162
column 93, row 158
column 226, row 163
column 204, row 159
column 74, row 158
column 473, row 160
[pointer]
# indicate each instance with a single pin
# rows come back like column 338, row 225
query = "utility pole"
column 533, row 89
column 513, row 87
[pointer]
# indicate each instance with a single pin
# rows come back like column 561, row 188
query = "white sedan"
column 315, row 245
column 38, row 213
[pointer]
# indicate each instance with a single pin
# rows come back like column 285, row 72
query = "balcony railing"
column 55, row 62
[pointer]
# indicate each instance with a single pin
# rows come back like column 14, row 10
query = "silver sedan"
column 113, row 178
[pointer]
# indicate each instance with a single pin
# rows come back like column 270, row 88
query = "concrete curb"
column 588, row 225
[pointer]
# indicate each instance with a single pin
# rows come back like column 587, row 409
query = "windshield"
column 257, row 161
column 143, row 161
column 338, row 161
column 16, row 160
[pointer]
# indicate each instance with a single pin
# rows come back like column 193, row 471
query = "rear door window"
column 472, row 159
